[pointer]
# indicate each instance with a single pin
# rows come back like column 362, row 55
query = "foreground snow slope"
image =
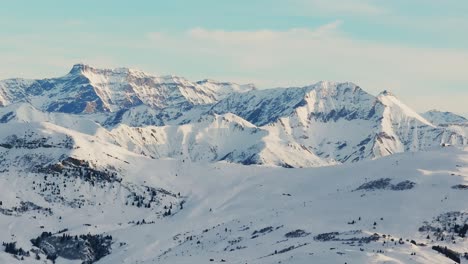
column 250, row 214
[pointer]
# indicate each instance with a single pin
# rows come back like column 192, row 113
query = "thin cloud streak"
column 306, row 55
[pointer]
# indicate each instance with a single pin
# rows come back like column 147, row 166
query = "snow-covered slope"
column 325, row 101
column 340, row 121
column 393, row 210
column 209, row 138
column 444, row 118
column 216, row 138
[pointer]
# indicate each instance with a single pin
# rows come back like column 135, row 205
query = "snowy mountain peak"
column 88, row 70
column 386, row 93
column 78, row 68
column 332, row 85
column 398, row 111
column 238, row 88
column 86, row 89
column 339, row 90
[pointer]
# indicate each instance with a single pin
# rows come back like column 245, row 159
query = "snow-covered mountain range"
column 321, row 124
column 118, row 166
column 89, row 90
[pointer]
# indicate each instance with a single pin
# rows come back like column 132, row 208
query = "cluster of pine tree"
column 11, row 249
column 451, row 254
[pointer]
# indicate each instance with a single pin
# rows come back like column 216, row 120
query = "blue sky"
column 417, row 49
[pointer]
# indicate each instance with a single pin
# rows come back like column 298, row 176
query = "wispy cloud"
column 325, row 46
column 300, row 56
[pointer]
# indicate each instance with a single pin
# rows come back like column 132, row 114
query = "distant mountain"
column 444, row 118
column 89, row 90
column 339, row 121
column 170, row 117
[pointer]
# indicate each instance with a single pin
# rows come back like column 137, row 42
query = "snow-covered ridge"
column 86, row 89
column 324, row 100
column 444, row 118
